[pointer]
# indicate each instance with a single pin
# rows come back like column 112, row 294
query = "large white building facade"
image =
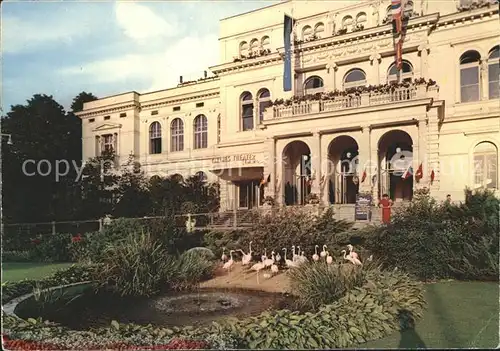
column 352, row 123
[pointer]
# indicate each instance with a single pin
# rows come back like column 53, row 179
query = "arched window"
column 354, row 78
column 406, row 73
column 319, row 29
column 469, row 76
column 361, row 18
column 485, row 166
column 313, row 85
column 201, row 176
column 265, row 41
column 243, row 48
column 306, row 32
column 177, row 135
column 264, row 101
column 254, row 45
column 347, row 23
column 155, row 138
column 200, row 132
column 246, row 101
column 177, row 178
column 494, row 72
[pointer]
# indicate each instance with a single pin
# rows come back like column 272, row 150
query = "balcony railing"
column 351, row 102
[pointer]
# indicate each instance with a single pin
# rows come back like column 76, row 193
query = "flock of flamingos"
column 296, row 261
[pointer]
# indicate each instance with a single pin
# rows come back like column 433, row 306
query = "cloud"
column 140, row 22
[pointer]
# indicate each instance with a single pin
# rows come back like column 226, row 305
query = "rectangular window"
column 123, row 114
column 176, row 108
column 200, row 104
column 107, row 117
column 469, row 84
column 493, row 81
column 108, row 142
column 92, row 120
column 155, row 112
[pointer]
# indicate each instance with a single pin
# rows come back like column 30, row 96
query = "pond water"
column 201, row 307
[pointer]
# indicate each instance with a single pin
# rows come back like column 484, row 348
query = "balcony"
column 350, row 101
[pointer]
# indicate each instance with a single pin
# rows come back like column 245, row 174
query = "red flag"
column 432, row 176
column 363, row 177
column 399, row 54
column 420, row 172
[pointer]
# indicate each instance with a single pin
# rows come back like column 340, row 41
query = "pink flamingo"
column 315, row 256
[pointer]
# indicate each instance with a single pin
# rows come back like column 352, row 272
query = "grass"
column 458, row 315
column 16, row 271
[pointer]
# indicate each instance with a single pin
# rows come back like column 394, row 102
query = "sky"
column 61, row 48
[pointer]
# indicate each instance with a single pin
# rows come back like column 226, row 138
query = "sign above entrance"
column 245, row 159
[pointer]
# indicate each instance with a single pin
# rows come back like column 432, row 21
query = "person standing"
column 385, row 203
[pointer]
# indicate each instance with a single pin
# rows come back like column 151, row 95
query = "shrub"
column 192, row 267
column 231, row 240
column 317, row 284
column 137, row 265
column 292, row 226
column 16, row 256
column 52, row 248
column 435, row 241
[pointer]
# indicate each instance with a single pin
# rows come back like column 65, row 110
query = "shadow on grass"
column 409, row 337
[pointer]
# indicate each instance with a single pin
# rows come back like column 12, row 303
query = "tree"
column 43, row 134
column 80, row 99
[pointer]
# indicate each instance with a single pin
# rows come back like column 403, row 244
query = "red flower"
column 35, row 241
column 76, row 238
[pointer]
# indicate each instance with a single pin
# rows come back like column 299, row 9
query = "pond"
column 82, row 309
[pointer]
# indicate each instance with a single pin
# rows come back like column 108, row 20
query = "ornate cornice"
column 171, row 101
column 463, row 16
column 245, row 64
column 108, row 109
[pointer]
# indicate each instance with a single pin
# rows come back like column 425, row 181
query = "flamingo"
column 269, row 261
column 329, row 259
column 315, row 257
column 246, row 257
column 352, row 253
column 302, row 258
column 264, row 256
column 323, row 253
column 274, row 267
column 229, row 263
column 353, row 260
column 369, row 259
column 278, row 257
column 258, row 267
column 294, row 256
column 224, row 256
column 289, row 263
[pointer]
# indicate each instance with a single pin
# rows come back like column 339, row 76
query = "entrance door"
column 250, row 194
column 346, row 189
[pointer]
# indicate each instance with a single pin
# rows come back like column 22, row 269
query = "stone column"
column 375, row 168
column 331, row 68
column 316, row 163
column 375, row 59
column 270, row 168
column 433, row 149
column 365, row 163
column 423, row 51
column 483, row 79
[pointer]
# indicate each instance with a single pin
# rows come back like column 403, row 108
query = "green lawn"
column 15, row 271
column 458, row 315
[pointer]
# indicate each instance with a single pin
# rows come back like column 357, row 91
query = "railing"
column 351, row 102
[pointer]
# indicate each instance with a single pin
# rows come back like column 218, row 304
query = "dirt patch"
column 241, row 277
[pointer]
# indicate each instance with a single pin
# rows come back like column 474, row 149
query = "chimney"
column 205, row 73
column 180, row 80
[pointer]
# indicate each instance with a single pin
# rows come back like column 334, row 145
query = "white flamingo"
column 315, row 257
column 323, row 253
column 264, row 256
column 302, row 258
column 229, row 263
column 269, row 261
column 353, row 260
column 294, row 256
column 224, row 256
column 369, row 259
column 278, row 257
column 289, row 263
column 352, row 253
column 329, row 259
column 274, row 267
column 258, row 267
column 246, row 258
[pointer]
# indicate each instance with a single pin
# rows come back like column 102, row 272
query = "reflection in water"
column 409, row 337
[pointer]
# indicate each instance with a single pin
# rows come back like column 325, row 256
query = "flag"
column 397, row 20
column 420, row 172
column 287, row 38
column 264, row 181
column 432, row 176
column 374, row 179
column 408, row 173
column 363, row 177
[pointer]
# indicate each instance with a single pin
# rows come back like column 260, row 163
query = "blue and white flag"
column 287, row 38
